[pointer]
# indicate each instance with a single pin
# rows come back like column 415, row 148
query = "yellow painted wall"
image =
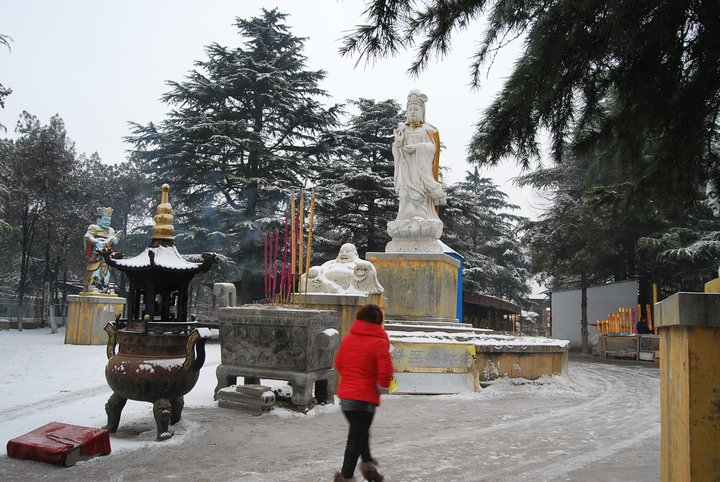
column 520, row 365
column 87, row 317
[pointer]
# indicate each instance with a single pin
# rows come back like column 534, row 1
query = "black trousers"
column 358, row 441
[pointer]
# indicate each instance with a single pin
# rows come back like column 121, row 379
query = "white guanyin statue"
column 416, row 152
column 346, row 274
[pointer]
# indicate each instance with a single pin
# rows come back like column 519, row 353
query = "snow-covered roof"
column 166, row 257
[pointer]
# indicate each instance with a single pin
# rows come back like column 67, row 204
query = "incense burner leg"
column 162, row 410
column 177, row 405
column 113, row 408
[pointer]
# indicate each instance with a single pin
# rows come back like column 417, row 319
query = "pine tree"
column 356, row 189
column 635, row 83
column 243, row 124
column 479, row 226
column 4, row 91
column 683, row 257
column 242, row 134
column 41, row 201
column 585, row 236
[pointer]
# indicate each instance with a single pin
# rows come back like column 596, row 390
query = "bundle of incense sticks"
column 281, row 278
column 624, row 321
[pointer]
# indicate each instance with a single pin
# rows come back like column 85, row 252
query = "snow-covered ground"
column 48, row 381
column 600, row 421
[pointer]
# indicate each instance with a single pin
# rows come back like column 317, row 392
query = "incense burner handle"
column 194, row 351
column 112, row 340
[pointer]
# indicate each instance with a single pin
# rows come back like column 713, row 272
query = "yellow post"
column 689, row 328
column 301, row 233
column 293, row 247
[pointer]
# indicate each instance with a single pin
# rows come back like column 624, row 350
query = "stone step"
column 425, row 323
column 244, row 407
column 250, row 395
column 433, row 320
column 455, row 328
column 253, row 389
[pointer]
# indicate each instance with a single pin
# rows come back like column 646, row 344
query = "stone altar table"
column 280, row 343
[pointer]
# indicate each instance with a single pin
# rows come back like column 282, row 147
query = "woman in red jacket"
column 365, row 368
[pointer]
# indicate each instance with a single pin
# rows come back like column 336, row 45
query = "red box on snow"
column 60, row 443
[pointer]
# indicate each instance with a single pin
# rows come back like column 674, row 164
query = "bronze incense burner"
column 155, row 354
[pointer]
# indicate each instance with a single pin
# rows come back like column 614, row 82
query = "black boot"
column 339, row 478
column 369, row 471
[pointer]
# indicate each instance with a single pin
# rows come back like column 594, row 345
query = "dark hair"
column 371, row 313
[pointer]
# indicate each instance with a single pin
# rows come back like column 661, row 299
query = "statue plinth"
column 418, row 286
column 88, row 314
column 346, row 305
column 415, row 235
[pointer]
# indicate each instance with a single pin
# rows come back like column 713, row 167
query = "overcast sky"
column 99, row 64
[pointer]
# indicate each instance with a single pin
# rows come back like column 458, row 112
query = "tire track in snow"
column 533, row 435
column 60, row 398
column 558, row 469
column 523, row 421
column 534, row 446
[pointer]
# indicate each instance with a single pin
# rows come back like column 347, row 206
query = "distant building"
column 484, row 311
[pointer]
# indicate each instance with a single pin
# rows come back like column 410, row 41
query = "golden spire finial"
column 163, row 228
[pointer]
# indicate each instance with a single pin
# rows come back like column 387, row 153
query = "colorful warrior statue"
column 99, row 236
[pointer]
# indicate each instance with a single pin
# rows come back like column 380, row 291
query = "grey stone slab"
column 253, row 389
column 243, row 407
column 235, row 397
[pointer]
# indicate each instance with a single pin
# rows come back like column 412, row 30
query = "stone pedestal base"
column 418, row 286
column 346, row 306
column 87, row 317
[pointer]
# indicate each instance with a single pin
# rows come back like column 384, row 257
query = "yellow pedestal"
column 689, row 328
column 346, row 306
column 87, row 317
column 418, row 286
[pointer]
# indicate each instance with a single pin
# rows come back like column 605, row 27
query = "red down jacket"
column 363, row 361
